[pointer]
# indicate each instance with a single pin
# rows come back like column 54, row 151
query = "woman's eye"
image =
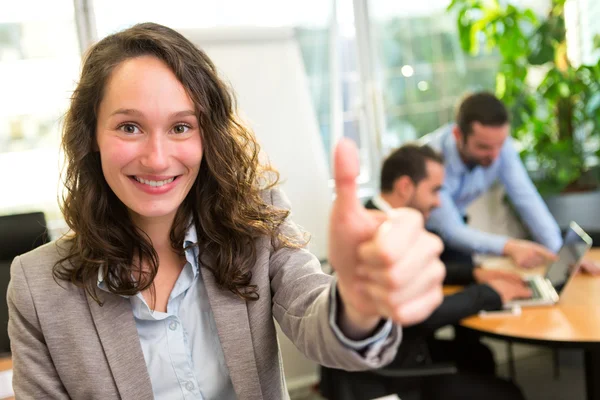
column 179, row 129
column 129, row 129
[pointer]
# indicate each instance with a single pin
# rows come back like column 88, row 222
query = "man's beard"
column 471, row 162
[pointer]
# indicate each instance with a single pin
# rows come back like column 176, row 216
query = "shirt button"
column 173, row 325
column 189, row 386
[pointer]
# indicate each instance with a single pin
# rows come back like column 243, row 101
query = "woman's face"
column 149, row 138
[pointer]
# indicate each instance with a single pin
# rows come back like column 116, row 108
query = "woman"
column 181, row 252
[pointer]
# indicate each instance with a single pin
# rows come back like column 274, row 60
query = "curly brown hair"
column 225, row 204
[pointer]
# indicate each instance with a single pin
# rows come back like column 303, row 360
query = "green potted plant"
column 555, row 105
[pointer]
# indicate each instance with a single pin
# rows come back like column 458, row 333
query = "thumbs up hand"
column 387, row 265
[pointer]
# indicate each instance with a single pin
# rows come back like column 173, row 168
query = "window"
column 312, row 24
column 423, row 69
column 583, row 31
column 39, row 63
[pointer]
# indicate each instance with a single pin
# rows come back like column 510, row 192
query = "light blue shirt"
column 181, row 347
column 462, row 186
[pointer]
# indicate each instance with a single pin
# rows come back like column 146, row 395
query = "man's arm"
column 527, row 200
column 474, row 298
column 447, row 221
column 458, row 273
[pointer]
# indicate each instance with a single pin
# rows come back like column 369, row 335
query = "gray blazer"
column 64, row 345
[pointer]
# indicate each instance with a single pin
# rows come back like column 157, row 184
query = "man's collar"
column 383, row 205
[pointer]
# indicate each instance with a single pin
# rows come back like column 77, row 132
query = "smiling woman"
column 182, row 253
column 145, row 100
column 149, row 139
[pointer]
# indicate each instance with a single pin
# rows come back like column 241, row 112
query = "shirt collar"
column 382, row 204
column 191, row 254
column 191, row 236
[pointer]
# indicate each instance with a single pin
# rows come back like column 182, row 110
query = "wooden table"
column 573, row 323
column 5, row 365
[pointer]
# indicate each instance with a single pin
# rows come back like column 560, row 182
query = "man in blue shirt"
column 479, row 151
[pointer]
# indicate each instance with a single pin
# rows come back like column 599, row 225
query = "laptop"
column 547, row 289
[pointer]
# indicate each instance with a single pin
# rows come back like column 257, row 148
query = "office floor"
column 534, row 375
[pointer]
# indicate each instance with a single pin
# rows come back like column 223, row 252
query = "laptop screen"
column 575, row 244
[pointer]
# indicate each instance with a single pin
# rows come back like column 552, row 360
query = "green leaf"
column 530, row 15
column 564, row 90
column 541, row 45
column 473, row 39
column 500, row 85
column 453, row 4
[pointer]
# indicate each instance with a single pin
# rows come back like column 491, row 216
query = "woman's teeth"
column 154, row 183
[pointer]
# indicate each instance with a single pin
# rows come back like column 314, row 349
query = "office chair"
column 19, row 234
column 343, row 385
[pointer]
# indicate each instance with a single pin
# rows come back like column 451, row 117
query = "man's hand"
column 509, row 290
column 482, row 275
column 528, row 254
column 590, row 266
column 387, row 266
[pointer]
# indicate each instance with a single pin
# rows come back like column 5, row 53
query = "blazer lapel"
column 233, row 326
column 117, row 331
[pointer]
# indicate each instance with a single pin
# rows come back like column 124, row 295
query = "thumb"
column 345, row 171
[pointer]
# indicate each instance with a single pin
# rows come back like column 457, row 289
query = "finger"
column 510, row 276
column 378, row 216
column 430, row 276
column 592, row 271
column 419, row 309
column 533, row 260
column 522, row 292
column 521, row 263
column 346, row 167
column 590, row 267
column 397, row 236
column 521, row 284
column 393, row 274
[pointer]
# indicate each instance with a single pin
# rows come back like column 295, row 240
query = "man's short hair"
column 410, row 160
column 482, row 107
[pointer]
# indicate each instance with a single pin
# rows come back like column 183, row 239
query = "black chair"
column 343, row 385
column 19, row 234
